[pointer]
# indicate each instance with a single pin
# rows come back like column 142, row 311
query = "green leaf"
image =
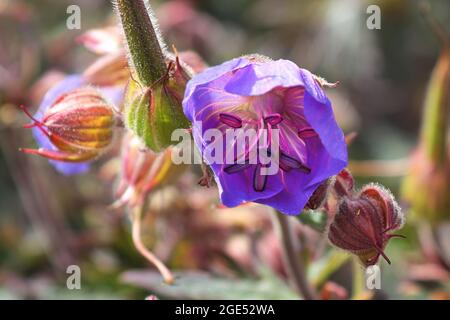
column 201, row 285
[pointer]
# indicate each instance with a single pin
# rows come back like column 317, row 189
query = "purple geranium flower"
column 72, row 82
column 256, row 93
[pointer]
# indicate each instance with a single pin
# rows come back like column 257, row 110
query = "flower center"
column 264, row 126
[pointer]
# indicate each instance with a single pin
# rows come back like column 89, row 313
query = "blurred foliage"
column 48, row 221
column 197, row 285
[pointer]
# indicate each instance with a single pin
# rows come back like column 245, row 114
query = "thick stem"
column 144, row 47
column 294, row 265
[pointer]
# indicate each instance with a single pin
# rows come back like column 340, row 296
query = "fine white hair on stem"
column 156, row 34
column 153, row 20
column 115, row 6
column 155, row 24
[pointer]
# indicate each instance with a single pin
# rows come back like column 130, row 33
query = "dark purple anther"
column 273, row 119
column 307, row 133
column 236, row 167
column 230, row 120
column 284, row 167
column 289, row 162
column 259, row 179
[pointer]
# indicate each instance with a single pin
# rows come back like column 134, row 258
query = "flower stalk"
column 294, row 265
column 426, row 187
column 146, row 56
column 434, row 128
column 139, row 245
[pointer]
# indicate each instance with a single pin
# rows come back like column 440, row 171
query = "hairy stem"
column 142, row 40
column 294, row 265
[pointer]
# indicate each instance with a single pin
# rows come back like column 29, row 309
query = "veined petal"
column 235, row 189
column 206, row 77
column 321, row 118
column 290, row 202
column 259, row 78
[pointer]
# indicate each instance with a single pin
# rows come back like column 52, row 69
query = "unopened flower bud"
column 143, row 171
column 364, row 222
column 79, row 125
column 108, row 70
column 155, row 112
column 343, row 184
column 102, row 41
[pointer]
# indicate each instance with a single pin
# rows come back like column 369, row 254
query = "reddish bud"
column 344, row 184
column 102, row 41
column 143, row 170
column 364, row 221
column 79, row 124
column 108, row 70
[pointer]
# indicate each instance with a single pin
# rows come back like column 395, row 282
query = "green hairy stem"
column 146, row 56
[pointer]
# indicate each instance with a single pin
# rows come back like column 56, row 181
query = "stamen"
column 289, row 162
column 230, row 120
column 259, row 180
column 236, row 167
column 307, row 133
column 273, row 119
column 284, row 167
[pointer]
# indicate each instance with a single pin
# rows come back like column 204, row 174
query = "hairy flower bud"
column 79, row 125
column 155, row 112
column 343, row 184
column 364, row 221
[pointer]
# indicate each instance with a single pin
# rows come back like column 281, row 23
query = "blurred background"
column 48, row 221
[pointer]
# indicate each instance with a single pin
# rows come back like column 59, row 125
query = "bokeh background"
column 48, row 221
